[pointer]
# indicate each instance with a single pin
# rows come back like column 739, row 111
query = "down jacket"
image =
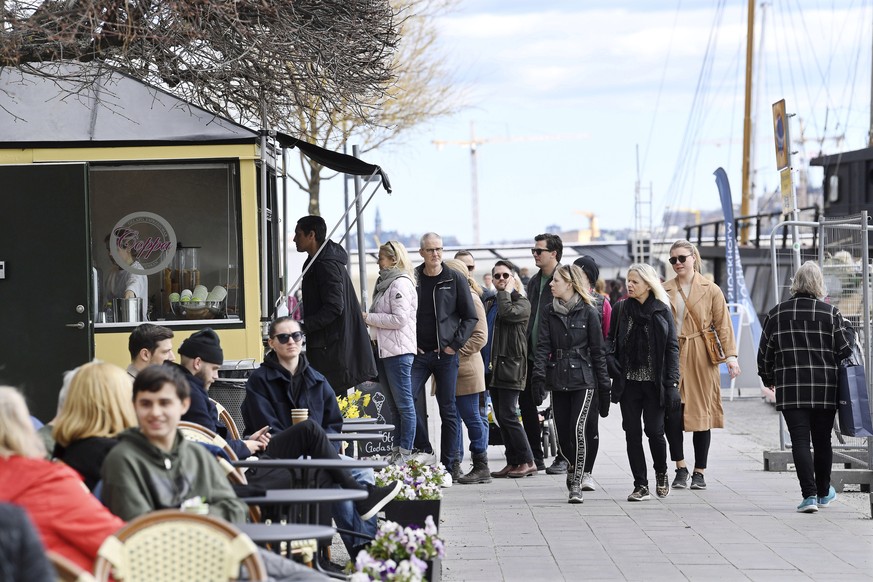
column 392, row 318
column 471, row 368
column 70, row 521
column 570, row 354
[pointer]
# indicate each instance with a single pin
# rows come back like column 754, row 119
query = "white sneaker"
column 425, row 458
column 447, row 480
column 587, row 483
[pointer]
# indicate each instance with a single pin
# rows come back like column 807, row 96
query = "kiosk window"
column 165, row 242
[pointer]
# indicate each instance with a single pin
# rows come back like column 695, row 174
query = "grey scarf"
column 562, row 307
column 386, row 277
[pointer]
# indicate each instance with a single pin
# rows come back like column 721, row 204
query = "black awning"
column 334, row 160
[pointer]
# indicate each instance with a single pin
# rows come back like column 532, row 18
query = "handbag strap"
column 688, row 309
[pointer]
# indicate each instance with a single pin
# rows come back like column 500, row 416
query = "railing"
column 756, row 221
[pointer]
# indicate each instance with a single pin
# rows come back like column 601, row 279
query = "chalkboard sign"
column 384, row 412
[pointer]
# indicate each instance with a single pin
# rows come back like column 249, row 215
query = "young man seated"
column 154, row 467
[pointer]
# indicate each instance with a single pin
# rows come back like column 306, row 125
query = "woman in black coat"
column 570, row 363
column 644, row 364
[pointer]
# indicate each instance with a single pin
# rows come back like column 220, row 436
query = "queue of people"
column 555, row 339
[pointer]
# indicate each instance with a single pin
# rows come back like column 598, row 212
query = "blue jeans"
column 396, row 373
column 444, row 369
column 346, row 516
column 468, row 411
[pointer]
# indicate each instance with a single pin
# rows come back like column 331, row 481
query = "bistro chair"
column 227, row 420
column 174, row 546
column 66, row 570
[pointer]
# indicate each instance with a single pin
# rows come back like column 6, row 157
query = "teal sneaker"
column 808, row 506
column 826, row 500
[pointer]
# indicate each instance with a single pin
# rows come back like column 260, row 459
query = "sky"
column 566, row 93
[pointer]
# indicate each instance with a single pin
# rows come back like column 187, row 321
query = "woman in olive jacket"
column 570, row 362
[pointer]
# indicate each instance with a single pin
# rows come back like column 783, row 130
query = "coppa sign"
column 150, row 238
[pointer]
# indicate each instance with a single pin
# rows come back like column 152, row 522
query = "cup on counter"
column 299, row 415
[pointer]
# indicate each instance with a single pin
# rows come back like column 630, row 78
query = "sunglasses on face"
column 680, row 258
column 501, row 276
column 539, row 251
column 283, row 338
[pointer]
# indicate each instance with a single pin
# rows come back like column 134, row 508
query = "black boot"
column 480, row 472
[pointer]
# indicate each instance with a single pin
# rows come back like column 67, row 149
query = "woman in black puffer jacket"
column 570, row 362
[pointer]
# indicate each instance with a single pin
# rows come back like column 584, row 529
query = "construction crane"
column 473, row 143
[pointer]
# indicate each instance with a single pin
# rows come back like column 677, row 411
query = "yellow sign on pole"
column 787, row 193
column 780, row 135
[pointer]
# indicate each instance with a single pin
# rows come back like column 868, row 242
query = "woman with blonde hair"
column 697, row 305
column 643, row 360
column 71, row 521
column 471, row 382
column 392, row 319
column 570, row 363
column 99, row 405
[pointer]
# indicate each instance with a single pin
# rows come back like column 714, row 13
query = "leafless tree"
column 254, row 61
column 423, row 90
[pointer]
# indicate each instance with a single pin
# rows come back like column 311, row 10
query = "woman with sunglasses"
column 697, row 304
column 286, row 380
column 392, row 319
column 570, row 363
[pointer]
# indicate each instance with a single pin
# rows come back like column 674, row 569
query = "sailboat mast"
column 745, row 205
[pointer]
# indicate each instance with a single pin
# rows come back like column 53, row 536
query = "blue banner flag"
column 736, row 282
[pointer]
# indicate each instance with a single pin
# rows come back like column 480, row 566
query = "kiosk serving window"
column 165, row 239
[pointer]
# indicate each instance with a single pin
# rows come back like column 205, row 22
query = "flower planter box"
column 413, row 513
column 434, row 570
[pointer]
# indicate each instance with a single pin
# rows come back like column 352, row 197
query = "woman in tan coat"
column 697, row 303
column 471, row 382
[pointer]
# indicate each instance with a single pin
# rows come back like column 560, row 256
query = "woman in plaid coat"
column 802, row 343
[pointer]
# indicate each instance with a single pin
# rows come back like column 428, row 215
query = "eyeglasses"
column 283, row 338
column 680, row 258
column 434, row 251
column 539, row 251
column 502, row 276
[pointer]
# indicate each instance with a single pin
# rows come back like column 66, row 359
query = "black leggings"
column 674, row 431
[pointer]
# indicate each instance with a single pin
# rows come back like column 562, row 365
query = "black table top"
column 312, row 463
column 300, row 496
column 372, row 427
column 261, row 533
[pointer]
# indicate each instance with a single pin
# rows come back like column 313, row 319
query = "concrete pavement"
column 742, row 527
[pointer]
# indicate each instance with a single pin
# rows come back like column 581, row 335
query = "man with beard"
column 201, row 356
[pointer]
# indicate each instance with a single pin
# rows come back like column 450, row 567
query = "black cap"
column 205, row 344
column 589, row 266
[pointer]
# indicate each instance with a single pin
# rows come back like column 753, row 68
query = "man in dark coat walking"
column 337, row 342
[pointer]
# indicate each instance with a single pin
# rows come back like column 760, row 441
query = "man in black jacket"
column 444, row 322
column 547, row 251
column 337, row 341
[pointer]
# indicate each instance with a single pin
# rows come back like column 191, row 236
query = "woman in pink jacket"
column 392, row 319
